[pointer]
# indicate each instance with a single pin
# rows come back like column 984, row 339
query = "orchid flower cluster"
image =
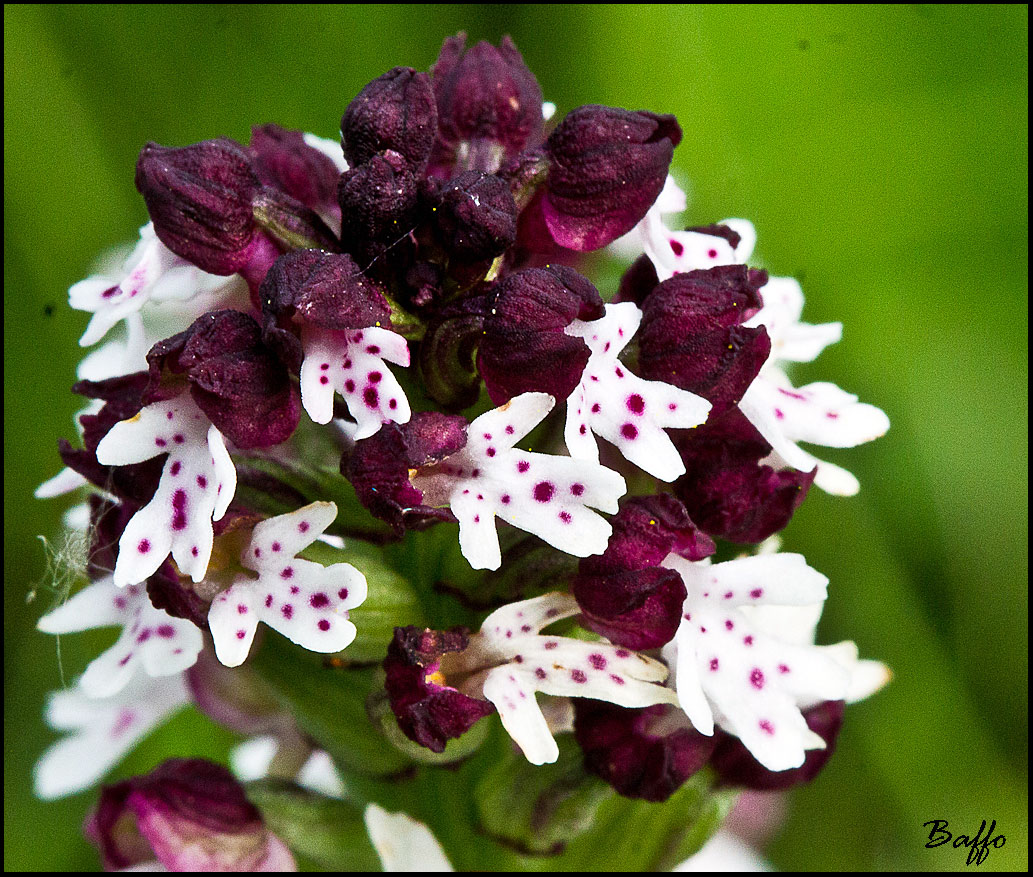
column 326, row 373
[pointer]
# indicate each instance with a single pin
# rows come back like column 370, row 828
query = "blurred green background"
column 881, row 153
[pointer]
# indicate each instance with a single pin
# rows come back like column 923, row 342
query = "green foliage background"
column 881, row 153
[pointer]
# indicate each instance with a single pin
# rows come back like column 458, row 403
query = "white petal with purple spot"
column 677, row 252
column 151, row 640
column 197, row 484
column 530, row 662
column 352, row 364
column 542, row 494
column 748, row 678
column 102, row 731
column 627, row 411
column 305, row 601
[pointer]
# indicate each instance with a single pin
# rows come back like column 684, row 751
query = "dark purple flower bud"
column 737, row 767
column 476, row 217
column 691, row 334
column 378, row 203
column 189, row 815
column 200, row 200
column 123, row 398
column 395, row 111
column 283, row 159
column 233, row 377
column 429, row 711
column 726, row 489
column 608, row 167
column 378, row 467
column 313, row 287
column 624, row 593
column 489, row 104
column 524, row 348
column 634, row 753
column 638, row 281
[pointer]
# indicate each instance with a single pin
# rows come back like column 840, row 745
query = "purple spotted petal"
column 200, row 200
column 608, row 167
column 429, row 712
column 691, row 334
column 378, row 467
column 283, row 159
column 189, row 814
column 624, row 593
column 524, row 348
column 734, row 764
column 489, row 103
column 629, row 750
column 395, row 111
column 234, row 378
column 727, row 490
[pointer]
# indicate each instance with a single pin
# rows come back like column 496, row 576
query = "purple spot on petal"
column 713, row 664
column 374, row 377
column 756, row 678
column 241, row 608
column 370, row 397
column 619, row 680
column 629, row 431
column 324, row 366
column 144, row 635
column 540, row 673
column 169, row 415
column 509, row 430
column 241, row 634
column 287, row 610
column 343, row 593
column 565, row 517
column 349, row 385
column 636, row 404
column 582, row 429
column 747, row 640
column 373, row 349
column 551, row 644
column 287, row 572
column 543, row 491
column 577, row 489
column 175, row 467
column 276, row 546
column 578, row 676
column 392, row 404
column 525, row 628
column 756, row 593
column 767, row 727
column 597, row 661
column 622, row 653
column 160, row 442
column 202, row 482
column 303, row 527
column 617, row 371
column 595, row 408
column 676, row 247
column 268, row 600
column 490, row 452
column 144, row 546
column 179, row 510
column 712, row 254
column 505, row 499
column 729, row 595
column 323, row 379
column 523, row 466
column 166, row 631
column 323, row 624
column 178, row 438
column 783, row 668
column 728, row 624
